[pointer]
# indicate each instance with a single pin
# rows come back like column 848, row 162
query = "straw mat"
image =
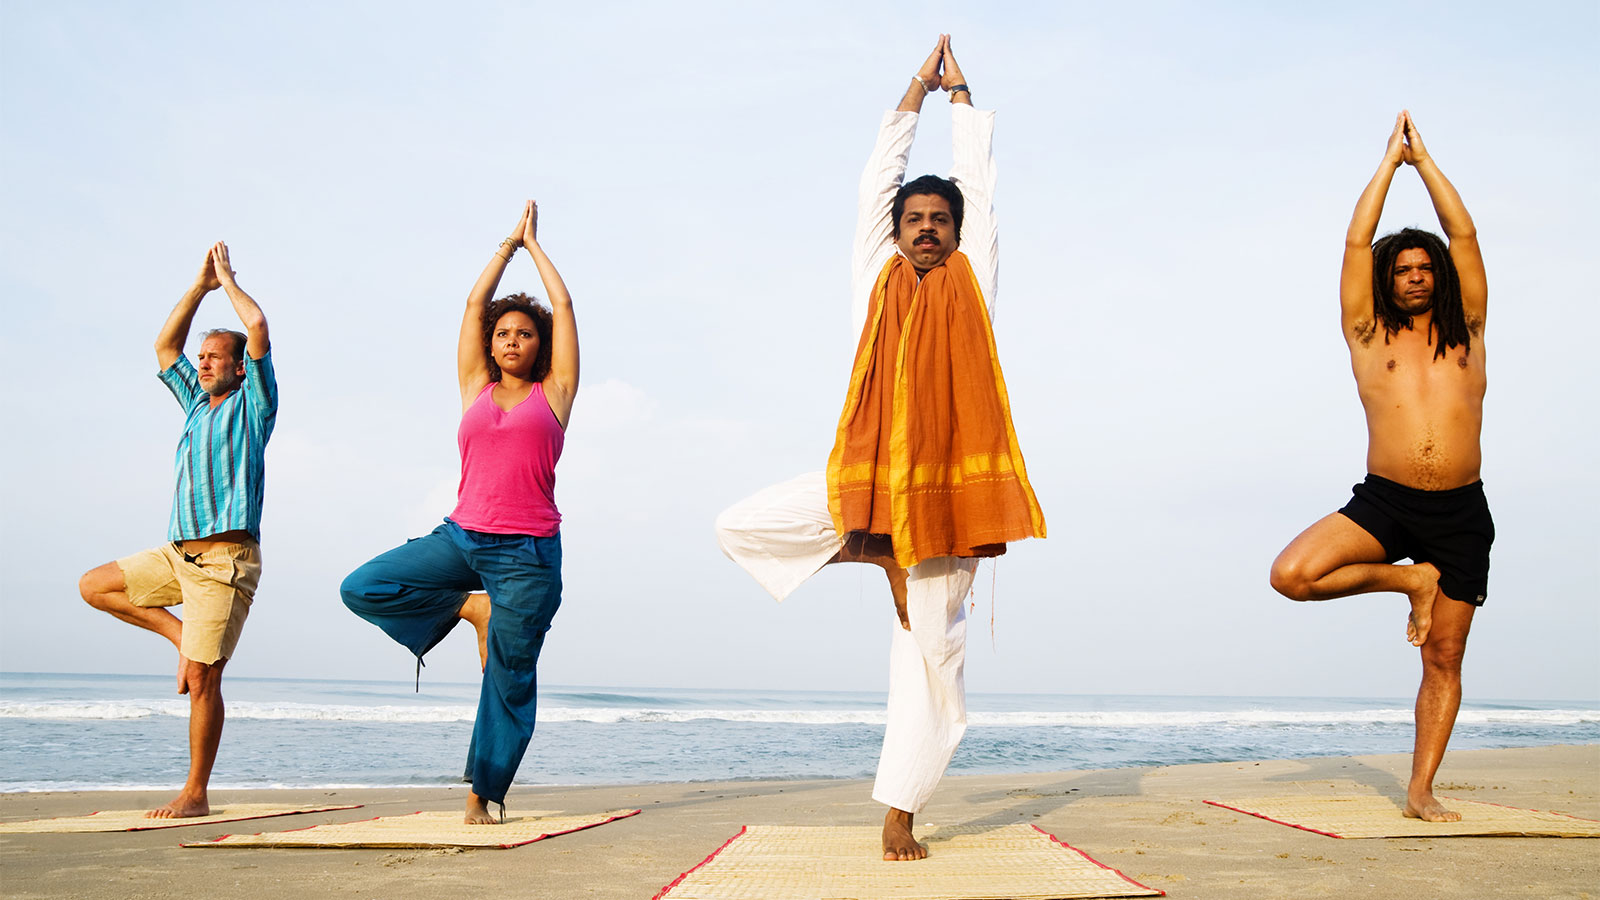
column 969, row 862
column 134, row 819
column 1373, row 816
column 424, row 830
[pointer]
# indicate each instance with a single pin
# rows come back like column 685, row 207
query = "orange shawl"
column 925, row 452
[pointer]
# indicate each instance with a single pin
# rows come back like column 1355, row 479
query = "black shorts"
column 1451, row 529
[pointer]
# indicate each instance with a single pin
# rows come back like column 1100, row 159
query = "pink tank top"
column 508, row 466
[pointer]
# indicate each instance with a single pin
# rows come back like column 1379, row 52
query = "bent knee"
column 349, row 592
column 729, row 527
column 96, row 583
column 1290, row 578
column 356, row 590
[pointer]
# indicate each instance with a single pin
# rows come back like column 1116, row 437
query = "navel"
column 1391, row 365
column 1428, row 462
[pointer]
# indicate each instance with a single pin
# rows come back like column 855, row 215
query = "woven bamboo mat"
column 134, row 819
column 1373, row 816
column 965, row 862
column 424, row 830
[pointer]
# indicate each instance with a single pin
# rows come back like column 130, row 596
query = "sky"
column 1175, row 181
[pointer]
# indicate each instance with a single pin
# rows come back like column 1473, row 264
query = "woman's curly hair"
column 536, row 311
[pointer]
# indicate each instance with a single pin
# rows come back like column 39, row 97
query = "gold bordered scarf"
column 925, row 452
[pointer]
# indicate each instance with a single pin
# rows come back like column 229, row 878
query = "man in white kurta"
column 784, row 534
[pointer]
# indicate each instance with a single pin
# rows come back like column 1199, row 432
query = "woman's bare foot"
column 184, row 807
column 478, row 811
column 476, row 611
column 898, row 843
column 1421, row 595
column 1426, row 807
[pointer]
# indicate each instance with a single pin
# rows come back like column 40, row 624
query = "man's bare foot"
column 478, row 811
column 897, row 587
column 1422, row 595
column 872, row 549
column 898, row 843
column 184, row 807
column 1426, row 807
column 183, row 683
column 877, row 550
column 476, row 611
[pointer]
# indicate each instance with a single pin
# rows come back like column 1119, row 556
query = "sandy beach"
column 1148, row 822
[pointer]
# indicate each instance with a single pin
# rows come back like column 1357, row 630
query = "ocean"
column 62, row 732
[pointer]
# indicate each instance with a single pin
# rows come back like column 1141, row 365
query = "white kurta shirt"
column 973, row 171
column 784, row 534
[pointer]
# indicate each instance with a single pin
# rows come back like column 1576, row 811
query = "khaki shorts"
column 215, row 588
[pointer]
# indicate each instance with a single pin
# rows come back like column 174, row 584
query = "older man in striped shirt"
column 212, row 560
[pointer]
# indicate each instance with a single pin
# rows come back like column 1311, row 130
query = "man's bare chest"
column 1408, row 369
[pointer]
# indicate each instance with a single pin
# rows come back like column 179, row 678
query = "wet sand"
column 1148, row 822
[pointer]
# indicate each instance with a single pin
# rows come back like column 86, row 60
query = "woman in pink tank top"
column 496, row 560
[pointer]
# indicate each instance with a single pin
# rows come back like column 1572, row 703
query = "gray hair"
column 239, row 340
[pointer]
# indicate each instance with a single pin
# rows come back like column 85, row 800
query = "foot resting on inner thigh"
column 1421, row 595
column 875, row 549
column 476, row 611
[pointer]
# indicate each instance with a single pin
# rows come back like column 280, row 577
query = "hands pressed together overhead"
column 941, row 71
column 215, row 270
column 1405, row 142
column 525, row 233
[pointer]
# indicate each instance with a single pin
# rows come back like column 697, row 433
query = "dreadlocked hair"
column 1449, row 317
column 534, row 310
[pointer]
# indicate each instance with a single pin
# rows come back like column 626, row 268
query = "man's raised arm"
column 886, row 169
column 175, row 331
column 1357, row 319
column 973, row 171
column 249, row 312
column 1457, row 225
column 925, row 81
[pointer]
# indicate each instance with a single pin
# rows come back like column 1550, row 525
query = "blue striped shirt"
column 221, row 466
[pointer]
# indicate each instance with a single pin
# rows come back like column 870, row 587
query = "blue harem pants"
column 414, row 593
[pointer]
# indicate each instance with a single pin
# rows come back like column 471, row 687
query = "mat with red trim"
column 1375, row 816
column 136, row 819
column 424, row 830
column 965, row 862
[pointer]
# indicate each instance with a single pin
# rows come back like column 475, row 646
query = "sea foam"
column 620, row 715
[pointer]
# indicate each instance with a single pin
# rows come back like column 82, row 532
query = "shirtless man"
column 212, row 560
column 1412, row 314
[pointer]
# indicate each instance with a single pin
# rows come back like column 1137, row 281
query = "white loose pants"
column 782, row 535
